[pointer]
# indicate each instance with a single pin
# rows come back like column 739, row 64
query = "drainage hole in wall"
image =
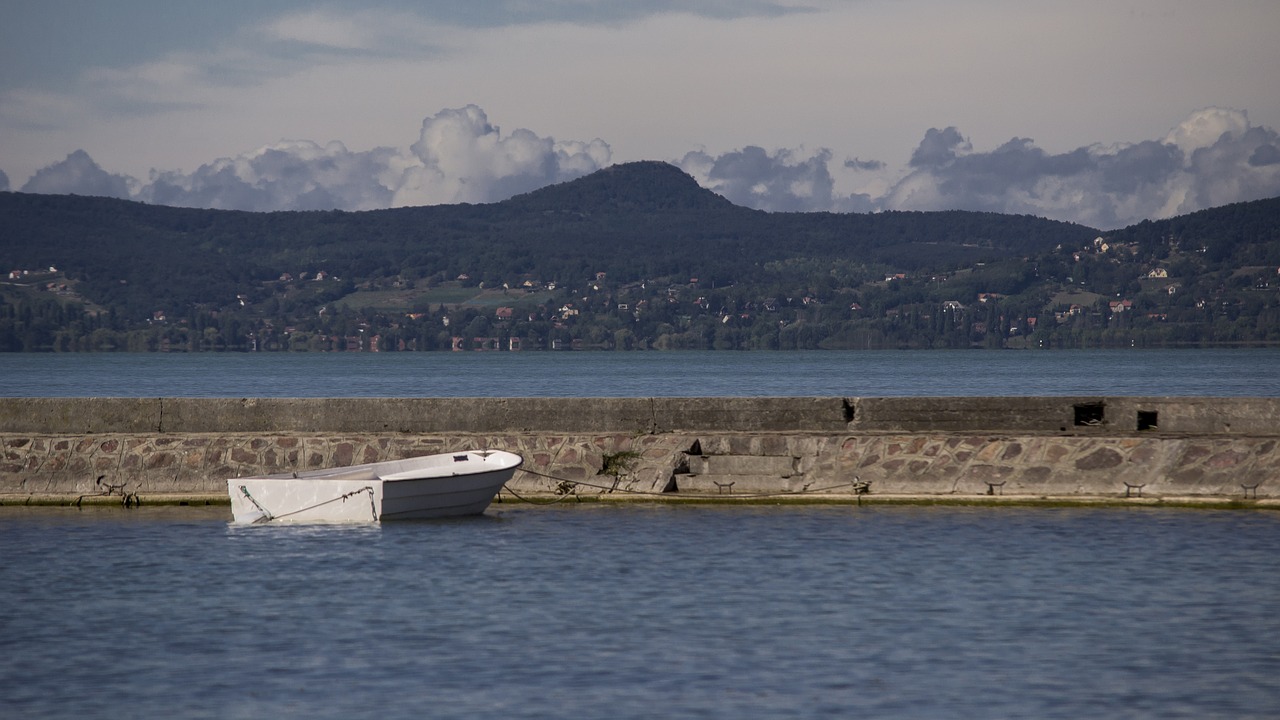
column 1090, row 414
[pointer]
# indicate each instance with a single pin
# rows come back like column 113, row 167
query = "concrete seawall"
column 1061, row 447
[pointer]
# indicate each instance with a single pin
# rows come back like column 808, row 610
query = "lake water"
column 643, row 611
column 1253, row 372
column 587, row 611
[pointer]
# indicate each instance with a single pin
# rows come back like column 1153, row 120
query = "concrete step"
column 739, row 484
column 775, row 465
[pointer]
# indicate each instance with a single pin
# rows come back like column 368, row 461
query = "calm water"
column 644, row 611
column 677, row 374
column 640, row 611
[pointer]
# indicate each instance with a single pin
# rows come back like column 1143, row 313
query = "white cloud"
column 320, row 28
column 1214, row 157
column 463, row 158
column 1240, row 166
column 1209, row 159
column 292, row 175
column 786, row 180
column 1204, row 128
column 78, row 174
column 459, row 157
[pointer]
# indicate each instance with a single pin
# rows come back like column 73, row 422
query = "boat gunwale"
column 370, row 471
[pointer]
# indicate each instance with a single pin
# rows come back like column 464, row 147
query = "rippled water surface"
column 887, row 373
column 644, row 611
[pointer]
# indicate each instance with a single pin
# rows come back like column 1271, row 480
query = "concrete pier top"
column 1101, row 416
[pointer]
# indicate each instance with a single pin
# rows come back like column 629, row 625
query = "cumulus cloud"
column 4, row 181
column 1205, row 127
column 78, row 174
column 939, row 147
column 1212, row 158
column 1265, row 154
column 290, row 175
column 1242, row 164
column 755, row 178
column 461, row 157
column 784, row 181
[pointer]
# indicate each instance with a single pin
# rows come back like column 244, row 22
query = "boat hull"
column 434, row 486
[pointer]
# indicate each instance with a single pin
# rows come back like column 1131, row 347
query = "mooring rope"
column 266, row 514
column 859, row 488
column 268, row 517
column 522, row 498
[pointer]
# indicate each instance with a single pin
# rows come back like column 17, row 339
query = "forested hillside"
column 634, row 256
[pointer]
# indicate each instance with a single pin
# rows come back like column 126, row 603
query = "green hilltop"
column 635, row 256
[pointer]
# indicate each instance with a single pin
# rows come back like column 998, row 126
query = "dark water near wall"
column 643, row 611
column 647, row 374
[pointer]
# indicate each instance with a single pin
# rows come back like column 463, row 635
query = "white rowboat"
column 432, row 486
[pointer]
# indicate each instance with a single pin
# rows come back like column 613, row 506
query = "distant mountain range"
column 641, row 234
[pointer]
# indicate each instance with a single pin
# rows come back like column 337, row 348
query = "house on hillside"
column 1072, row 311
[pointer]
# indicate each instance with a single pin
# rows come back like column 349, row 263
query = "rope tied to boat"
column 522, row 498
column 266, row 514
column 268, row 517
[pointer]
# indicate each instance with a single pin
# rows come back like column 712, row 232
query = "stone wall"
column 1051, row 447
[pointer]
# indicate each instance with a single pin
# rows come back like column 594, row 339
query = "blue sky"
column 1101, row 112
